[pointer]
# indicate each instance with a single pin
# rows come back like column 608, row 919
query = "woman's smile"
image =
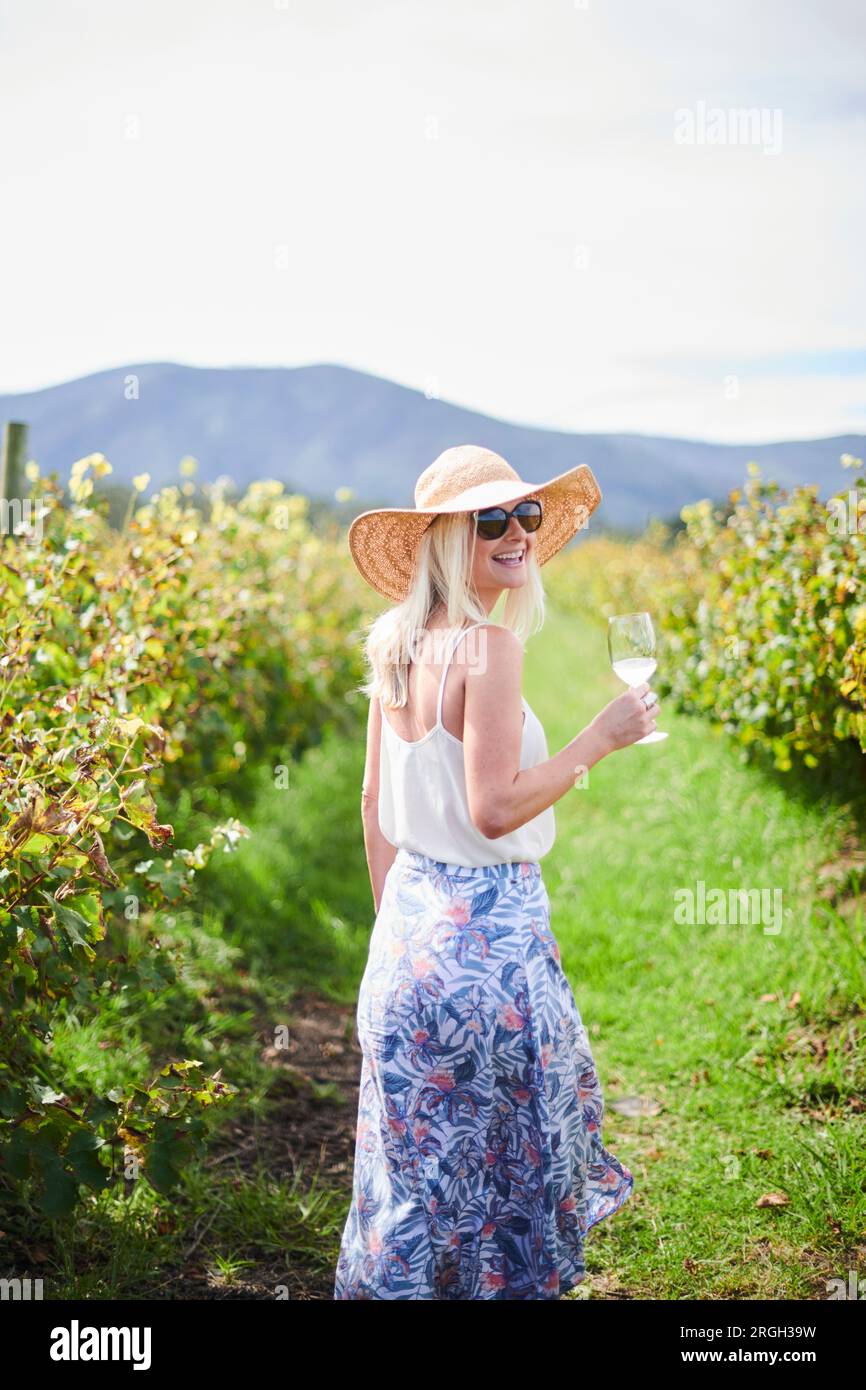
column 512, row 558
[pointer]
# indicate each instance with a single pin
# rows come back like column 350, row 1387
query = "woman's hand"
column 626, row 719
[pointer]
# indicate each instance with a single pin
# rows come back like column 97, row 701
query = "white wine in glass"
column 631, row 642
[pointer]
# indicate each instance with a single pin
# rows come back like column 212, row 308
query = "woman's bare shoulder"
column 505, row 640
column 501, row 651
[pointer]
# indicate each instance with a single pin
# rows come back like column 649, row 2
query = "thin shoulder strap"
column 447, row 664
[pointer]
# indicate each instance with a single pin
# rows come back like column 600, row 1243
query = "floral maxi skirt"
column 479, row 1162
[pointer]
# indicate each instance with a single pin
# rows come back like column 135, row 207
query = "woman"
column 479, row 1162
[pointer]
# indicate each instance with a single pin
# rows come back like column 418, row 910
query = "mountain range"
column 319, row 428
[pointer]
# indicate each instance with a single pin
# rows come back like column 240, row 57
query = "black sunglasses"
column 492, row 522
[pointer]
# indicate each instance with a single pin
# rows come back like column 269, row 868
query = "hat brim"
column 384, row 542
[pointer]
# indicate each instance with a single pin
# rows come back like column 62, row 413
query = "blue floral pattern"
column 479, row 1162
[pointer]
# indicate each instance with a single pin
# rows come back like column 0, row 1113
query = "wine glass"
column 631, row 642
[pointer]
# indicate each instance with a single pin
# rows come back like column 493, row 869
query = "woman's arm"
column 380, row 852
column 501, row 796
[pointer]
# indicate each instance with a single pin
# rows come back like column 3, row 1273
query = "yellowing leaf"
column 140, row 809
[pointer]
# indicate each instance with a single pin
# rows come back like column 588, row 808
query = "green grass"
column 219, row 1230
column 295, row 898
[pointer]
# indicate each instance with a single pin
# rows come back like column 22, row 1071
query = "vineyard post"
column 12, row 467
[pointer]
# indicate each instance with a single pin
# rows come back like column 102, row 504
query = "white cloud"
column 283, row 200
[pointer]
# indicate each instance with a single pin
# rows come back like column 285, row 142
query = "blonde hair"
column 442, row 574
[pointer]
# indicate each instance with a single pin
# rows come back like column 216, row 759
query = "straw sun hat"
column 384, row 542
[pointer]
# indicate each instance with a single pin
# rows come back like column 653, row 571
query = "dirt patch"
column 308, row 1133
column 842, row 879
column 315, row 1107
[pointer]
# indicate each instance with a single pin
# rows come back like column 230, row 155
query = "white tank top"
column 422, row 793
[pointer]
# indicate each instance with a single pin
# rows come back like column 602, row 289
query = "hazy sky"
column 513, row 206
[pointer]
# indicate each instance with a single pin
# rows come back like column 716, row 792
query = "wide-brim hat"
column 384, row 542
